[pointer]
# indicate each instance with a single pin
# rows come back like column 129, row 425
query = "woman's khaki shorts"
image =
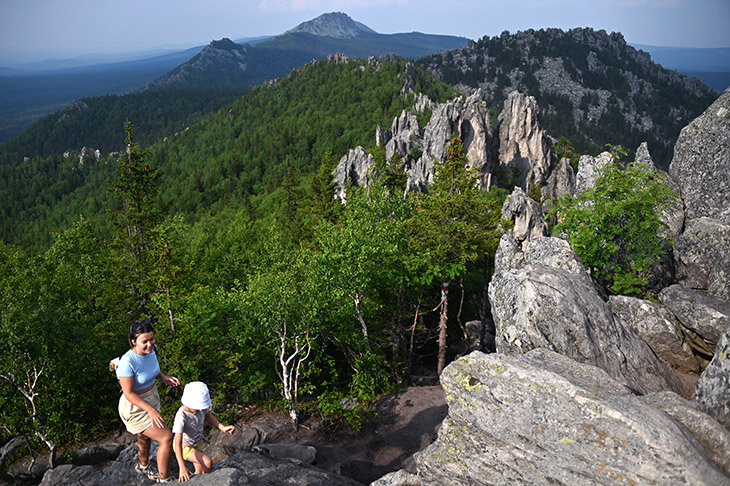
column 136, row 419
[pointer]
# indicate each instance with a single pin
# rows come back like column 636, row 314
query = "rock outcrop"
column 264, row 464
column 713, row 388
column 542, row 418
column 354, row 168
column 542, row 297
column 701, row 163
column 468, row 119
column 526, row 214
column 660, row 329
column 589, row 169
column 699, row 248
column 524, row 147
column 561, row 182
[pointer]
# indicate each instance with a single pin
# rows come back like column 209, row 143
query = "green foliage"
column 392, row 174
column 615, row 227
column 50, row 328
column 230, row 228
column 564, row 149
column 454, row 223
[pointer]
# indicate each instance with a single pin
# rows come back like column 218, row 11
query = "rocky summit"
column 336, row 24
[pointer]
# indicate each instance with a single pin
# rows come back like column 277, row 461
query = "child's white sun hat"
column 196, row 396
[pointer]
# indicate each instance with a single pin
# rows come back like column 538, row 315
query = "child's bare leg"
column 203, row 464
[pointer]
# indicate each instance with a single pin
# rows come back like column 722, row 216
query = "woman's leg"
column 143, row 449
column 163, row 436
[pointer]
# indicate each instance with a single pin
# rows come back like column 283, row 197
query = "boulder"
column 713, row 388
column 542, row 297
column 660, row 329
column 523, row 145
column 709, row 432
column 701, row 314
column 701, row 162
column 699, row 250
column 542, row 418
column 526, row 213
column 70, row 475
column 220, row 446
column 398, row 478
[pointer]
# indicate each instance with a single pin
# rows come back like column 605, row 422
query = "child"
column 188, row 429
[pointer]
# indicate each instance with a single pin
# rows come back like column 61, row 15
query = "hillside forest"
column 259, row 282
column 228, row 236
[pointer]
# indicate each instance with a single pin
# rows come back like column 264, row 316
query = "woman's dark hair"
column 139, row 327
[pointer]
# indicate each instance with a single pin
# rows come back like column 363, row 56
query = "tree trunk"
column 442, row 332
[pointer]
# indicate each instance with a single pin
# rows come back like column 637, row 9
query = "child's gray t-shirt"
column 190, row 425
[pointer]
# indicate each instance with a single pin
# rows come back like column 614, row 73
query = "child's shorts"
column 136, row 419
column 187, row 450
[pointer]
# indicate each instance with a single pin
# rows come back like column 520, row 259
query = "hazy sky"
column 63, row 27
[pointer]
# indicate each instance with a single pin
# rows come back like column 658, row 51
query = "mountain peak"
column 335, row 24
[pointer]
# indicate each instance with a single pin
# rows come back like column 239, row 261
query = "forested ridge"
column 227, row 234
column 237, row 155
column 590, row 85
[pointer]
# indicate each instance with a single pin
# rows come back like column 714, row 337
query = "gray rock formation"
column 701, row 163
column 405, row 135
column 543, row 297
column 523, row 145
column 709, row 432
column 661, row 331
column 521, row 155
column 703, row 315
column 713, row 388
column 526, row 213
column 561, row 182
column 543, row 418
column 468, row 119
column 354, row 168
column 589, row 169
column 718, row 283
column 698, row 250
column 642, row 156
column 270, row 464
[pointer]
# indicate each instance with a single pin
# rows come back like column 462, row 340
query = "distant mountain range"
column 223, row 64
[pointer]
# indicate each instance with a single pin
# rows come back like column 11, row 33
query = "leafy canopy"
column 615, row 227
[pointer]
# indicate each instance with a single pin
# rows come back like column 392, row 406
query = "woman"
column 139, row 405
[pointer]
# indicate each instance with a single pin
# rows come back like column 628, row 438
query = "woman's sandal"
column 166, row 480
column 147, row 470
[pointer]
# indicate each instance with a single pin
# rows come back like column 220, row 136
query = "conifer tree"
column 144, row 259
column 453, row 226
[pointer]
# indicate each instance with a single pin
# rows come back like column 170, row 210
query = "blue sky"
column 39, row 29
